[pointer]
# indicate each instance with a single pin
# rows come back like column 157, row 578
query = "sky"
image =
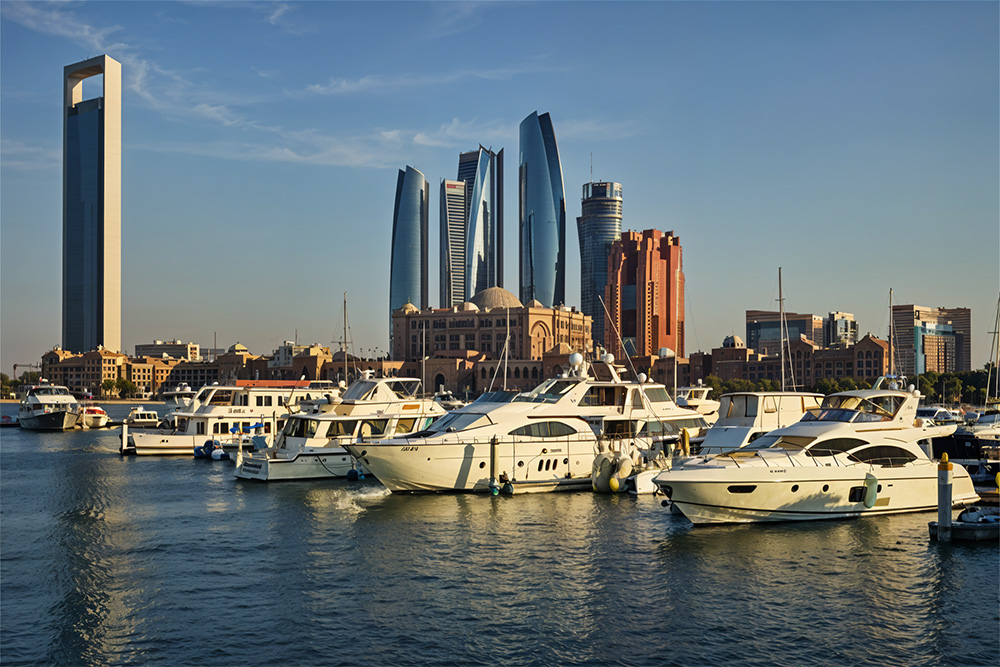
column 853, row 144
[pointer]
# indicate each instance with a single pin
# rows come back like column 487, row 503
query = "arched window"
column 483, row 373
column 517, row 373
column 534, row 373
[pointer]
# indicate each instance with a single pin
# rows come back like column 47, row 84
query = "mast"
column 345, row 339
column 892, row 341
column 993, row 374
column 781, row 328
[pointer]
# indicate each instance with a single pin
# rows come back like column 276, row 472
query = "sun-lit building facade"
column 599, row 226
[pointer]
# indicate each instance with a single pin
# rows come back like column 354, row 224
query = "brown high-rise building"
column 645, row 294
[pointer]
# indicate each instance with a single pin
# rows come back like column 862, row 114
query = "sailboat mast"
column 781, row 328
column 892, row 341
column 345, row 338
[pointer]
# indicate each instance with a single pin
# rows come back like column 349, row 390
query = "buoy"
column 601, row 471
column 871, row 490
column 352, row 475
column 219, row 455
column 622, row 466
column 507, row 489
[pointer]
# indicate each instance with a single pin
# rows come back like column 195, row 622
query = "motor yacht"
column 142, row 417
column 543, row 440
column 48, row 407
column 92, row 416
column 214, row 413
column 862, row 453
column 696, row 398
column 311, row 444
column 179, row 396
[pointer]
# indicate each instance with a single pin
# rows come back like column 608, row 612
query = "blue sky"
column 854, row 144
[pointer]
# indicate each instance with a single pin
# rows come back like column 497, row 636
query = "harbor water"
column 106, row 560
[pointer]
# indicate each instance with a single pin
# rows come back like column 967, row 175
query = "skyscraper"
column 598, row 227
column 408, row 261
column 472, row 237
column 92, row 137
column 541, row 214
column 645, row 294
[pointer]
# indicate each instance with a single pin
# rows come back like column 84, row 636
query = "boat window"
column 770, row 404
column 222, row 397
column 405, row 388
column 725, row 406
column 875, row 408
column 549, row 391
column 598, row 396
column 739, row 406
column 544, row 430
column 780, row 442
column 373, row 428
column 656, row 394
column 359, row 391
column 752, row 405
column 341, row 428
column 835, row 446
column 885, row 456
column 406, row 425
column 620, row 427
column 500, row 396
column 459, row 421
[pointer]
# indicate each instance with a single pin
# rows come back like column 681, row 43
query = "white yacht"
column 862, row 453
column 92, row 416
column 48, row 407
column 696, row 398
column 179, row 396
column 311, row 445
column 543, row 440
column 142, row 417
column 213, row 414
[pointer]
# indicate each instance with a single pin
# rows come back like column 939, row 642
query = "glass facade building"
column 408, row 262
column 541, row 214
column 472, row 236
column 91, row 280
column 598, row 227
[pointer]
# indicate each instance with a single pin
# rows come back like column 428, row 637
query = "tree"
column 768, row 385
column 826, row 386
column 107, row 387
column 715, row 382
column 126, row 388
column 738, row 384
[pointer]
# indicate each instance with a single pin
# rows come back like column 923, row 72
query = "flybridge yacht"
column 862, row 453
column 746, row 416
column 311, row 445
column 179, row 396
column 215, row 413
column 696, row 398
column 543, row 440
column 48, row 407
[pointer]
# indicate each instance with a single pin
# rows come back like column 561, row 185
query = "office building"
column 931, row 339
column 541, row 214
column 408, row 259
column 840, row 329
column 472, row 227
column 763, row 329
column 645, row 295
column 175, row 349
column 91, row 243
column 599, row 226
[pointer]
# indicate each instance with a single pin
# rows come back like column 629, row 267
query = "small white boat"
column 92, row 416
column 862, row 453
column 142, row 417
column 48, row 407
column 311, row 444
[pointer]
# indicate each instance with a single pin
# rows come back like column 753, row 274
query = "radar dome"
column 575, row 359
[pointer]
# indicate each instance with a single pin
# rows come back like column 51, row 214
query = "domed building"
column 483, row 324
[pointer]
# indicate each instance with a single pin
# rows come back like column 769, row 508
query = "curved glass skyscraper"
column 408, row 263
column 598, row 227
column 541, row 214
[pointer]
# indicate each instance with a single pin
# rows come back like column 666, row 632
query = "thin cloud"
column 382, row 83
column 18, row 155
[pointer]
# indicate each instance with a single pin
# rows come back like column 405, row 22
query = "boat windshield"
column 501, row 396
column 359, row 391
column 840, row 408
column 989, row 418
column 550, row 391
column 51, row 391
column 780, row 442
column 459, row 421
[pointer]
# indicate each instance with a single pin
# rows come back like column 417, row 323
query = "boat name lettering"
column 408, row 449
column 776, row 471
column 237, row 411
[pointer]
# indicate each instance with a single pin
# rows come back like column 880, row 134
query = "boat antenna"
column 785, row 342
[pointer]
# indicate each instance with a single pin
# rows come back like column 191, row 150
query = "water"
column 167, row 561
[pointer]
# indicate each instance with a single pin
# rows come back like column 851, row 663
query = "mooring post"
column 945, row 480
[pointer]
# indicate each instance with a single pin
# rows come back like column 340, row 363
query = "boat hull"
column 310, row 464
column 738, row 495
column 466, row 467
column 164, row 443
column 58, row 420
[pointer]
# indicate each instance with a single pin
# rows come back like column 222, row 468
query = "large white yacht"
column 862, row 453
column 48, row 407
column 214, row 413
column 543, row 440
column 311, row 445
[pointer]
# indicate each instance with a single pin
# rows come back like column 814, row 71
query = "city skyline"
column 854, row 144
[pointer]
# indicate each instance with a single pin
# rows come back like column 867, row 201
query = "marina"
column 170, row 560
